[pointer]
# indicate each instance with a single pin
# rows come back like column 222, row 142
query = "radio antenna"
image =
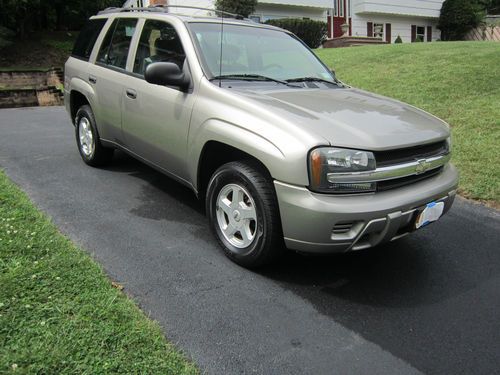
column 221, row 44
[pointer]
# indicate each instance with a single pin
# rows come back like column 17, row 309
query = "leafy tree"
column 24, row 16
column 458, row 17
column 242, row 7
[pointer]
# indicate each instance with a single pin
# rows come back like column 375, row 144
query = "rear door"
column 156, row 118
column 107, row 77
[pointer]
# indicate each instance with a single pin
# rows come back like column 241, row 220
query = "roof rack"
column 165, row 9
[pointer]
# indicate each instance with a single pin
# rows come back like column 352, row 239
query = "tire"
column 87, row 139
column 241, row 199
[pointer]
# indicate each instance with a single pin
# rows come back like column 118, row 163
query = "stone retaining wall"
column 31, row 88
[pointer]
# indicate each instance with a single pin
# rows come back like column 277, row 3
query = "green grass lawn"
column 457, row 81
column 59, row 313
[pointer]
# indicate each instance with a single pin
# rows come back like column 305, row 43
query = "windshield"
column 251, row 51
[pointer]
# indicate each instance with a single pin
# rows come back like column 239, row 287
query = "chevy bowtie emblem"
column 422, row 166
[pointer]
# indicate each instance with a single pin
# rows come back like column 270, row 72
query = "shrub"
column 313, row 33
column 458, row 17
column 398, row 40
column 6, row 37
column 241, row 7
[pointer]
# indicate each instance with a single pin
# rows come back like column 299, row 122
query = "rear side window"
column 87, row 37
column 116, row 44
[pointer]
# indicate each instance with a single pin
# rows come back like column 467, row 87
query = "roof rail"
column 165, row 9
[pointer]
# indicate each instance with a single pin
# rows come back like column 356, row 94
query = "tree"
column 458, row 17
column 241, row 7
column 25, row 16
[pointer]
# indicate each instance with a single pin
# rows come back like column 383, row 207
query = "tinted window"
column 86, row 40
column 116, row 44
column 159, row 43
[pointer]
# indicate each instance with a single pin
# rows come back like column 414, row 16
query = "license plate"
column 431, row 213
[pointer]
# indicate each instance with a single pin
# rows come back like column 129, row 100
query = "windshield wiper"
column 315, row 79
column 251, row 77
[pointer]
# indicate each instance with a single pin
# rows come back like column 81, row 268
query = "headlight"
column 325, row 162
column 448, row 144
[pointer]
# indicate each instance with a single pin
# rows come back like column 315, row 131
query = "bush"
column 398, row 40
column 313, row 33
column 6, row 37
column 241, row 7
column 458, row 17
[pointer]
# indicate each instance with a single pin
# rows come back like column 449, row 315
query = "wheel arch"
column 215, row 154
column 81, row 93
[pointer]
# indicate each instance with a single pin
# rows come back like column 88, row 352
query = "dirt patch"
column 38, row 51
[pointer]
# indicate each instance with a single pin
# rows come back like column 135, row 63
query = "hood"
column 352, row 118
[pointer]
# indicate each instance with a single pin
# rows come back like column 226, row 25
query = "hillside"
column 456, row 81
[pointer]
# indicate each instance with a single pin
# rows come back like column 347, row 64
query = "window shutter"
column 429, row 33
column 369, row 29
column 413, row 33
column 388, row 37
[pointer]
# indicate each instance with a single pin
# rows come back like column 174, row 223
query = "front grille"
column 404, row 155
column 403, row 181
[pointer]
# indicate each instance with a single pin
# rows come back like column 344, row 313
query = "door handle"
column 92, row 79
column 132, row 94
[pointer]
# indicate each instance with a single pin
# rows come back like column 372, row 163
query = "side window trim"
column 134, row 44
column 102, row 37
column 100, row 40
column 116, row 21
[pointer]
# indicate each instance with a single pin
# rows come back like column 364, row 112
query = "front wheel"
column 243, row 214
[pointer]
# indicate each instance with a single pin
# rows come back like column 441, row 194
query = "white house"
column 266, row 9
column 410, row 19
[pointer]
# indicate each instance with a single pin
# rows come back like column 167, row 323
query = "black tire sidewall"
column 232, row 174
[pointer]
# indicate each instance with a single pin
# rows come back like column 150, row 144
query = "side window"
column 87, row 37
column 159, row 43
column 116, row 44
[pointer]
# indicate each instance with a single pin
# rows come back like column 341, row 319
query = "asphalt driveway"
column 428, row 303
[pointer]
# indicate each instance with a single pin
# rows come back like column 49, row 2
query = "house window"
column 378, row 30
column 340, row 8
column 420, row 34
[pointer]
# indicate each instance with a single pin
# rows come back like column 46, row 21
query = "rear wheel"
column 87, row 139
column 243, row 214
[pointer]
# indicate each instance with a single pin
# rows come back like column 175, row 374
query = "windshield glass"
column 255, row 51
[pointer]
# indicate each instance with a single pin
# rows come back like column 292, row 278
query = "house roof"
column 413, row 8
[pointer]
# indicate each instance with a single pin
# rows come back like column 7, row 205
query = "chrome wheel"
column 236, row 215
column 87, row 143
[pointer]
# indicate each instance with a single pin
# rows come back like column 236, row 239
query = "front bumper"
column 320, row 223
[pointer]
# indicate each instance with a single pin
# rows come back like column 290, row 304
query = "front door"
column 156, row 118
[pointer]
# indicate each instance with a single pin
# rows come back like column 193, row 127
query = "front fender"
column 243, row 139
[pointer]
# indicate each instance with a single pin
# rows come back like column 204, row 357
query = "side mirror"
column 167, row 74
